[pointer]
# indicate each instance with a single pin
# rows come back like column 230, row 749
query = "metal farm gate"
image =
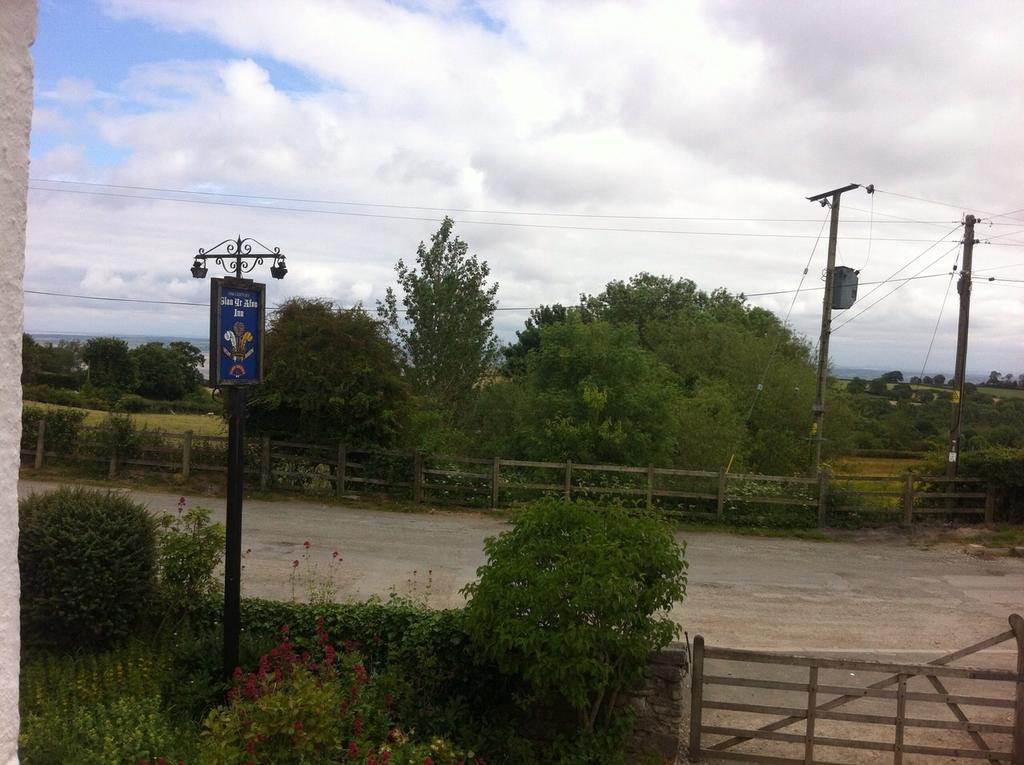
column 898, row 717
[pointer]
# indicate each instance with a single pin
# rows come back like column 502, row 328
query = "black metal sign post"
column 237, row 319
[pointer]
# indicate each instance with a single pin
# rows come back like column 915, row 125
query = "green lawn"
column 205, row 424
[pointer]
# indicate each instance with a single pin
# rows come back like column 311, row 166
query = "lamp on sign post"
column 237, row 319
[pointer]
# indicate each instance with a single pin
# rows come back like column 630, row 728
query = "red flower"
column 298, row 725
column 295, row 564
column 334, row 554
column 428, row 760
column 353, row 749
column 307, row 544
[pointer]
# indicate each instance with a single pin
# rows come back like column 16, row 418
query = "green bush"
column 1001, row 467
column 573, row 600
column 63, row 428
column 189, row 548
column 50, row 394
column 88, row 565
column 131, row 402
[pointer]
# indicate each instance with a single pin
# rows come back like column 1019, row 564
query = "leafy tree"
column 590, row 393
column 744, row 370
column 110, row 363
column 447, row 334
column 58, row 365
column 878, row 387
column 330, row 374
column 939, row 379
column 528, row 338
column 856, row 385
column 915, row 380
column 928, row 380
column 166, row 372
column 646, row 298
column 895, row 376
column 31, row 364
column 993, row 378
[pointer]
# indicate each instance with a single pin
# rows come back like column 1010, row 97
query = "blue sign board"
column 236, row 332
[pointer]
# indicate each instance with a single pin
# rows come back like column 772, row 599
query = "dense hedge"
column 88, row 566
column 1004, row 469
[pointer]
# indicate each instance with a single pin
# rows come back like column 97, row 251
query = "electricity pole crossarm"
column 960, row 372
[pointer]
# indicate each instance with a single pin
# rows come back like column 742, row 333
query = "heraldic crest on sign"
column 236, row 347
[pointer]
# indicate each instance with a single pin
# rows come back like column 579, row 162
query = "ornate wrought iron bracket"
column 239, row 256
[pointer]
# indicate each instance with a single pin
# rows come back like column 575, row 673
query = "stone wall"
column 660, row 706
column 17, row 31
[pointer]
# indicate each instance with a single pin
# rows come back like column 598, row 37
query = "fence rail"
column 1009, row 749
column 494, row 482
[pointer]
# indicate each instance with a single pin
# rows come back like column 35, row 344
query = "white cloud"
column 647, row 108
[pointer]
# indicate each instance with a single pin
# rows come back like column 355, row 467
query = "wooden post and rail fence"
column 996, row 736
column 496, row 481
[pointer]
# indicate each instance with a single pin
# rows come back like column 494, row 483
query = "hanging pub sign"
column 237, row 313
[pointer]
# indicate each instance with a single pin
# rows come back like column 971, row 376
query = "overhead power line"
column 76, row 296
column 952, row 205
column 347, row 203
column 902, row 283
column 508, row 224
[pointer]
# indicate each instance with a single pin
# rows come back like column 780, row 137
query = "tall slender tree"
column 447, row 334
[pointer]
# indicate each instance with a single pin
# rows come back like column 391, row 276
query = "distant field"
column 1003, row 393
column 170, row 423
column 875, row 465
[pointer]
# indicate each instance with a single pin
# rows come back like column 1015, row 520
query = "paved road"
column 748, row 592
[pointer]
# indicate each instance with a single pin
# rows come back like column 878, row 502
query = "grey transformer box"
column 844, row 287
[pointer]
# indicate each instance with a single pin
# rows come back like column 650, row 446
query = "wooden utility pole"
column 960, row 372
column 826, row 315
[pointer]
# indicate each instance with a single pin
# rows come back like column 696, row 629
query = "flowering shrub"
column 189, row 548
column 318, row 705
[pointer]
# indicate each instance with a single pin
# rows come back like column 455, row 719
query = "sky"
column 573, row 142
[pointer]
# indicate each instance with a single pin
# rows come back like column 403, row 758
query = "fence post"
column 901, row 717
column 990, row 504
column 1017, row 625
column 697, row 698
column 186, row 454
column 495, row 477
column 812, row 707
column 265, row 464
column 908, row 498
column 112, row 473
column 721, row 493
column 40, row 444
column 568, row 479
column 823, row 477
column 417, row 480
column 650, row 486
column 339, row 477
